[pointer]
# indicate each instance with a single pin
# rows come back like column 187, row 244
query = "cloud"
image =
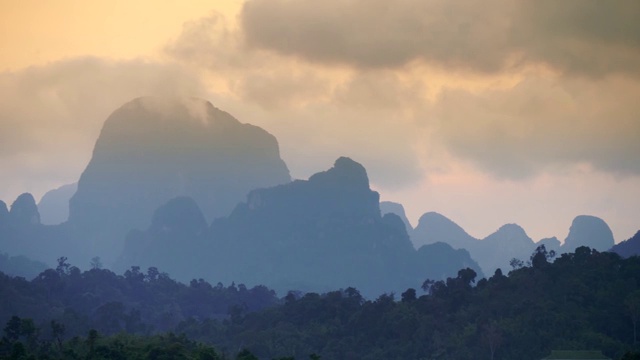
column 589, row 37
column 317, row 113
column 517, row 88
column 209, row 43
column 544, row 124
column 50, row 115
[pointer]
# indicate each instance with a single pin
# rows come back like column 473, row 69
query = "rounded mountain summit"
column 153, row 149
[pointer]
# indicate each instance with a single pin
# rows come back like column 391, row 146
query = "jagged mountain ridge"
column 389, row 207
column 509, row 241
column 149, row 151
column 312, row 235
column 54, row 204
column 629, row 247
column 153, row 149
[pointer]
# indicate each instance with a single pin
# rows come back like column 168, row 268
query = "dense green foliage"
column 95, row 346
column 582, row 301
column 135, row 302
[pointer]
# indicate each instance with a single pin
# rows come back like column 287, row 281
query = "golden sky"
column 488, row 112
column 35, row 32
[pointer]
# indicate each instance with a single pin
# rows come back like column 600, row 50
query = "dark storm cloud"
column 586, row 37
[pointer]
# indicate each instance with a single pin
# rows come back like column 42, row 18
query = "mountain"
column 172, row 240
column 22, row 234
column 550, row 244
column 588, row 231
column 54, row 205
column 508, row 242
column 153, row 149
column 24, row 211
column 437, row 260
column 389, row 207
column 629, row 247
column 4, row 214
column 433, row 227
column 21, row 266
column 323, row 233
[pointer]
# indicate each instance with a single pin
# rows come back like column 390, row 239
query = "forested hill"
column 585, row 300
column 137, row 302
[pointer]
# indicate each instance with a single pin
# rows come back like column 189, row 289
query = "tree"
column 246, row 355
column 29, row 330
column 468, row 276
column 57, row 329
column 408, row 296
column 63, row 266
column 12, row 329
column 632, row 302
column 492, row 337
column 427, row 286
column 631, row 356
column 152, row 274
column 96, row 263
column 541, row 257
column 91, row 340
column 516, row 263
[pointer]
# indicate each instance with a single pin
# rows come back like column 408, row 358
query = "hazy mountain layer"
column 54, row 205
column 433, row 227
column 153, row 149
column 629, row 247
column 588, row 231
column 389, row 207
column 510, row 241
column 313, row 235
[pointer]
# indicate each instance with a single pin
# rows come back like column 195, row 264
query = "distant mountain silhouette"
column 629, row 247
column 588, row 231
column 4, row 215
column 153, row 149
column 22, row 234
column 21, row 266
column 54, row 205
column 437, row 260
column 149, row 151
column 389, row 207
column 24, row 211
column 510, row 241
column 433, row 227
column 323, row 233
column 550, row 244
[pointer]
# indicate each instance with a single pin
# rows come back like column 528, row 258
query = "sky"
column 488, row 112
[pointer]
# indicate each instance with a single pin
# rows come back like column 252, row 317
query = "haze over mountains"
column 54, row 205
column 318, row 234
column 508, row 242
column 177, row 184
column 153, row 149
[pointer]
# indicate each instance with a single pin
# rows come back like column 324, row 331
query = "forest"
column 586, row 300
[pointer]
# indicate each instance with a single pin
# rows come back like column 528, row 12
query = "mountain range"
column 178, row 184
column 318, row 234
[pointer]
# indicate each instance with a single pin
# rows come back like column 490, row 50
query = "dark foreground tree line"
column 581, row 301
